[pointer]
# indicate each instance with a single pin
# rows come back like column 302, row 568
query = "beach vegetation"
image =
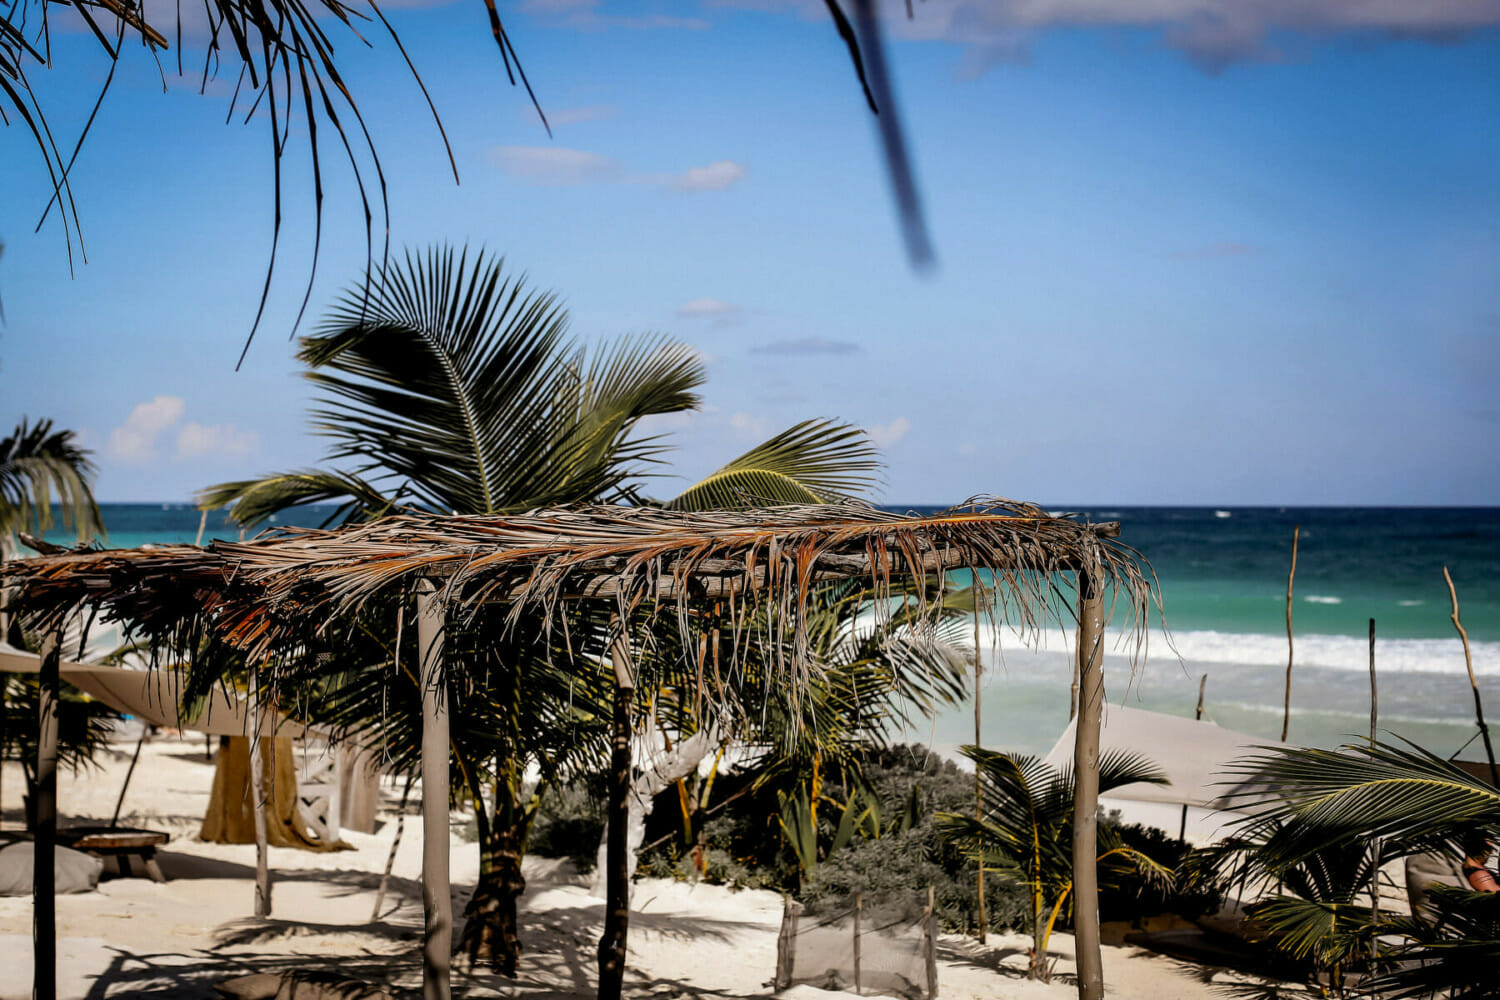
column 875, row 679
column 40, row 466
column 446, row 385
column 1024, row 834
column 1323, row 823
column 84, row 726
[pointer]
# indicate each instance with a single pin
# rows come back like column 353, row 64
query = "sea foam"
column 1337, row 652
column 1333, row 652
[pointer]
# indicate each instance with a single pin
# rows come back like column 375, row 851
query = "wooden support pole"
column 859, row 906
column 437, row 903
column 1197, row 716
column 1374, row 695
column 978, row 781
column 1286, row 700
column 931, row 942
column 1086, row 785
column 258, row 800
column 44, row 858
column 612, row 942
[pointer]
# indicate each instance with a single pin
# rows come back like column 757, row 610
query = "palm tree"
column 446, row 385
column 37, row 463
column 1025, row 835
column 1315, row 814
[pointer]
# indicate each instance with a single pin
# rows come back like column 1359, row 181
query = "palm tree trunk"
column 437, row 905
column 1086, row 783
column 43, row 872
column 491, row 933
column 617, row 885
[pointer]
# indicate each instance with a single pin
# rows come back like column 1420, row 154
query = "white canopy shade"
column 154, row 696
column 1200, row 802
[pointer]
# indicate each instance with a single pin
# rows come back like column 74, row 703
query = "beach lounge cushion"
column 256, row 986
column 298, row 984
column 1425, row 870
column 73, row 871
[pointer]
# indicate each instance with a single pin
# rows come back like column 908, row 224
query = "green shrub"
column 569, row 825
column 903, row 866
column 744, row 846
column 1131, row 897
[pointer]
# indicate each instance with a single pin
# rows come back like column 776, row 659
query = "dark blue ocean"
column 1223, row 577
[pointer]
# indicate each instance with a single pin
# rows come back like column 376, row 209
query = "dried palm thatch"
column 283, row 594
column 278, row 594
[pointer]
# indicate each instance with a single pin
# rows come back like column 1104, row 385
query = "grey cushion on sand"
column 302, row 985
column 1424, row 870
column 73, row 871
column 257, row 986
column 298, row 984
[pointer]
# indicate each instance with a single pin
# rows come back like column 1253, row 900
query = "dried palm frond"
column 280, row 593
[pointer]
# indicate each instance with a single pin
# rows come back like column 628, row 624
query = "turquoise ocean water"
column 1223, row 577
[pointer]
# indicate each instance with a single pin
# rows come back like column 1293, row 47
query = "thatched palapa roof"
column 285, row 587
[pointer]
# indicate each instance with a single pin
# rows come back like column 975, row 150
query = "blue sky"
column 1190, row 251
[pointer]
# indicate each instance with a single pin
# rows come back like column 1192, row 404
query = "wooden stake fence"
column 1286, row 701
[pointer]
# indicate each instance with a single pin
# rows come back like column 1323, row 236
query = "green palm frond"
column 1326, row 933
column 608, row 394
column 441, row 374
column 815, row 461
column 1383, row 791
column 36, row 465
column 253, row 501
column 1453, row 954
column 874, row 676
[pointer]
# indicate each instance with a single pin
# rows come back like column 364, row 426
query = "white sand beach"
column 138, row 938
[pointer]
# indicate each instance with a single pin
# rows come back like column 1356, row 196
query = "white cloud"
column 709, row 307
column 750, row 425
column 584, row 15
column 717, row 176
column 556, row 166
column 217, row 440
column 889, row 434
column 559, row 166
column 807, row 345
column 135, row 440
column 575, row 116
column 1213, row 34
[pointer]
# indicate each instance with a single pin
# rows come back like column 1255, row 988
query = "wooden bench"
column 120, row 843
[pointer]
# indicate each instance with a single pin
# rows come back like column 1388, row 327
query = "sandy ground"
column 137, row 938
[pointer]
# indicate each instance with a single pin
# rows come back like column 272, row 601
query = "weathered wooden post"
column 1086, row 785
column 984, row 922
column 44, row 858
column 437, row 904
column 859, row 906
column 258, row 799
column 1286, row 703
column 1197, row 717
column 617, row 878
